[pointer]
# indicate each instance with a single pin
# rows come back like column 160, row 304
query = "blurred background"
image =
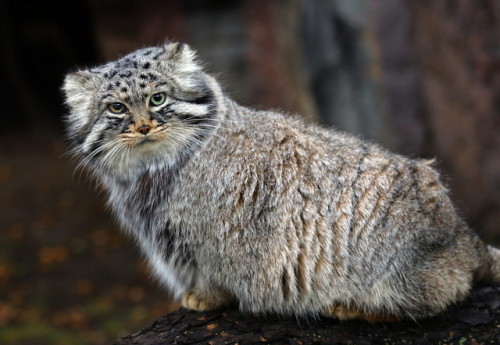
column 420, row 77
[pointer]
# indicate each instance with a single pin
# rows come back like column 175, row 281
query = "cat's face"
column 141, row 111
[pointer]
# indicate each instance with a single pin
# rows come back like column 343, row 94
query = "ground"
column 474, row 322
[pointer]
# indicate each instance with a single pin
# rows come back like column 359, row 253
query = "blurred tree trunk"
column 420, row 77
column 343, row 71
column 459, row 52
column 275, row 56
column 401, row 84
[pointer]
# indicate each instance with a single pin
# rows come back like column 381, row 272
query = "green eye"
column 157, row 99
column 117, row 108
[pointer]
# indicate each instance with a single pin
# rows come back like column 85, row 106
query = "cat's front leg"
column 203, row 301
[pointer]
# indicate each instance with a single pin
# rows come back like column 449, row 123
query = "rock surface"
column 476, row 321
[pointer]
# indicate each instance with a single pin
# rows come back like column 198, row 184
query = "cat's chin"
column 145, row 145
column 135, row 169
column 146, row 156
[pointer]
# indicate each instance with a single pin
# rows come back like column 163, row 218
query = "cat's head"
column 143, row 110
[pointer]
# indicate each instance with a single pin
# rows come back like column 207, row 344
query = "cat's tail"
column 488, row 268
column 494, row 265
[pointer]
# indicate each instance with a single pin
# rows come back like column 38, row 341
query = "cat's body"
column 231, row 204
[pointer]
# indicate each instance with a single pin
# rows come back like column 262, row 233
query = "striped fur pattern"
column 234, row 205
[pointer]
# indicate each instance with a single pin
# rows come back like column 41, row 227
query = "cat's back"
column 266, row 158
column 264, row 135
column 272, row 165
column 272, row 142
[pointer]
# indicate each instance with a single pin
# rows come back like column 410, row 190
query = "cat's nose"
column 144, row 129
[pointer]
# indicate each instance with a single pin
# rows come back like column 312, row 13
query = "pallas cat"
column 257, row 208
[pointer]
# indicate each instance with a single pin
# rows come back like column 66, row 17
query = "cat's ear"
column 77, row 86
column 180, row 58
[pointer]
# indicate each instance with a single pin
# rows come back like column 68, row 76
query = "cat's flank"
column 234, row 205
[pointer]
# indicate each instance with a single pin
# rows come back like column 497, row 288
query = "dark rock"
column 476, row 321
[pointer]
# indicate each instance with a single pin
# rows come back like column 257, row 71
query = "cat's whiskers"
column 110, row 156
column 87, row 159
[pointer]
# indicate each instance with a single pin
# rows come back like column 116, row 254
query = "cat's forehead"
column 132, row 71
column 138, row 61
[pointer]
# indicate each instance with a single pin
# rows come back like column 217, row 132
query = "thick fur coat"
column 231, row 204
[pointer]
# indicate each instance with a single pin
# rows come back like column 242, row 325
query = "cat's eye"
column 117, row 108
column 157, row 99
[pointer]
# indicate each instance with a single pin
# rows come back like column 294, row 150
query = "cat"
column 232, row 205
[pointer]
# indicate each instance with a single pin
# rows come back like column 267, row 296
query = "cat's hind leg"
column 344, row 313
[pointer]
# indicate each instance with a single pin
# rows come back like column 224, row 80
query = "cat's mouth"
column 146, row 139
column 154, row 136
column 138, row 139
column 167, row 136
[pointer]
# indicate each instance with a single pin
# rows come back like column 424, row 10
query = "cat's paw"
column 343, row 313
column 191, row 300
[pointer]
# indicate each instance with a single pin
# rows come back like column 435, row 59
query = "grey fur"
column 233, row 204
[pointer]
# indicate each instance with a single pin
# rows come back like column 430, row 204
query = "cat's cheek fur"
column 79, row 88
